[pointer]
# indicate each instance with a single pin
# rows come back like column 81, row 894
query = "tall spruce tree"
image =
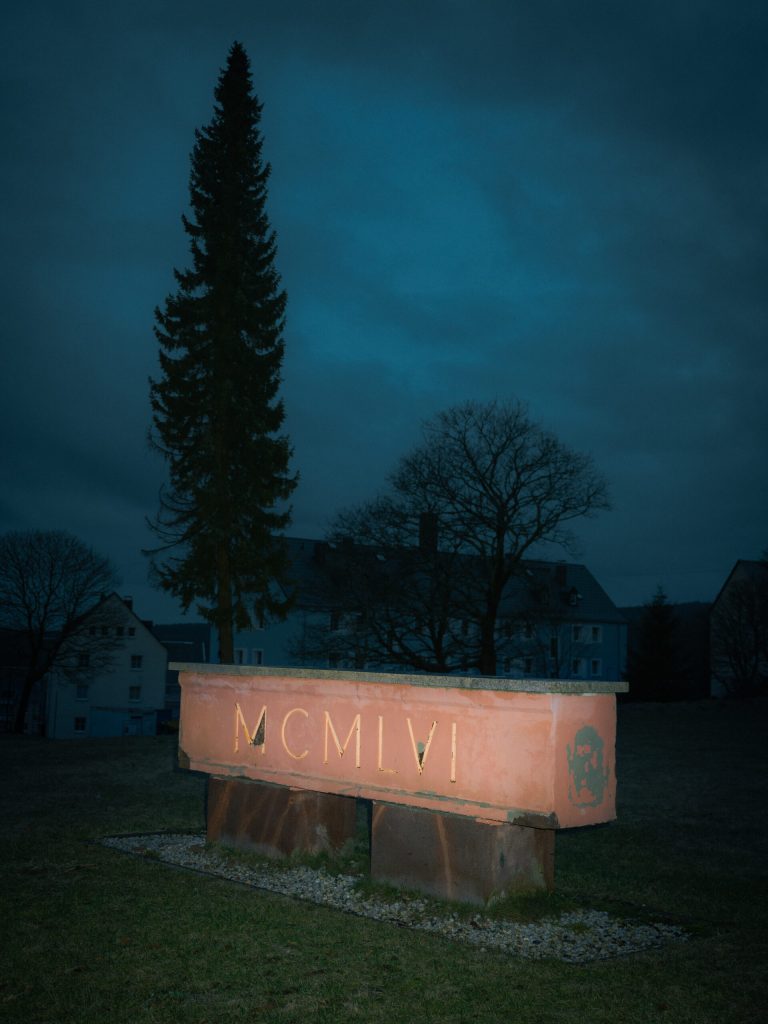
column 216, row 412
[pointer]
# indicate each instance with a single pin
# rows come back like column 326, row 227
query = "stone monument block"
column 469, row 777
column 457, row 858
column 277, row 821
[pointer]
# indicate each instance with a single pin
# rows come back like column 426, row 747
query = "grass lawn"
column 88, row 934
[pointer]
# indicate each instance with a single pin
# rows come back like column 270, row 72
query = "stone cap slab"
column 500, row 683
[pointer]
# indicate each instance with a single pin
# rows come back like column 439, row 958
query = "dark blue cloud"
column 556, row 202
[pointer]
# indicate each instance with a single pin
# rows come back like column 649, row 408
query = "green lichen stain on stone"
column 587, row 771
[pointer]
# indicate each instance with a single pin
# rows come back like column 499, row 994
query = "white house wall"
column 112, row 706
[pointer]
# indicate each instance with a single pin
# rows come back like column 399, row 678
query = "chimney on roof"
column 428, row 531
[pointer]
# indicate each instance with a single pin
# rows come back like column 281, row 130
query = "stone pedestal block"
column 458, row 858
column 275, row 820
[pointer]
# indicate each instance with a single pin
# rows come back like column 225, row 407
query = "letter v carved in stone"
column 421, row 755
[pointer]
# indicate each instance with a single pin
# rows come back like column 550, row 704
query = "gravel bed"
column 580, row 936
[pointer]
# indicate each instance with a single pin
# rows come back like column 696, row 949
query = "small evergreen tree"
column 654, row 664
column 216, row 414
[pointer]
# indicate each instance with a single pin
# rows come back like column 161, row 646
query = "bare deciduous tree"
column 50, row 583
column 391, row 602
column 462, row 512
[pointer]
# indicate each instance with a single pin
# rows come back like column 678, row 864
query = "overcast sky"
column 563, row 203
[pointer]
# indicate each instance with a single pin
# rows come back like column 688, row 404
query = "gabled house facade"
column 120, row 698
column 556, row 621
column 738, row 625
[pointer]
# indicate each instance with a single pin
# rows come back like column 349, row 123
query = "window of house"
column 553, row 647
column 82, row 691
column 577, row 667
column 528, row 665
column 134, row 693
column 120, row 630
column 240, row 656
column 80, row 723
column 131, row 631
column 597, row 634
column 577, row 634
column 258, row 656
column 596, row 667
column 137, row 660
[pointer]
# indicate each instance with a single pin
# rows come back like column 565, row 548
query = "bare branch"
column 497, row 484
column 50, row 582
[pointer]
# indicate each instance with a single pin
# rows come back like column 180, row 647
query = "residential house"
column 188, row 642
column 556, row 621
column 123, row 692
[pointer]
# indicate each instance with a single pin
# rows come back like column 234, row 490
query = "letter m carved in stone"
column 258, row 738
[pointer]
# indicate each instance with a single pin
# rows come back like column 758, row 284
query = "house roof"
column 568, row 590
column 564, row 590
column 745, row 570
column 307, row 559
column 185, row 641
column 127, row 604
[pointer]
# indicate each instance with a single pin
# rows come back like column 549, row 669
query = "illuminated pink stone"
column 538, row 753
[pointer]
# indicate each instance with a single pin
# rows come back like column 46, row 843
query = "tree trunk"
column 224, row 611
column 23, row 704
column 487, row 660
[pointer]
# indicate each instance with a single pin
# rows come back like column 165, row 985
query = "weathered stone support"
column 468, row 777
column 458, row 858
column 277, row 821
